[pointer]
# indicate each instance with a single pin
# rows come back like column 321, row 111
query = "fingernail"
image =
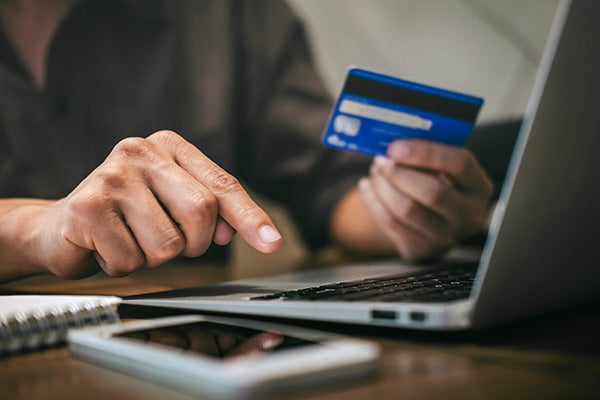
column 398, row 150
column 378, row 164
column 363, row 184
column 381, row 161
column 270, row 343
column 374, row 169
column 267, row 234
column 101, row 261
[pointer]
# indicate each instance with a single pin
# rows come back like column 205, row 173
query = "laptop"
column 542, row 251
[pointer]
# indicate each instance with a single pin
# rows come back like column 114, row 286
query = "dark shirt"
column 235, row 78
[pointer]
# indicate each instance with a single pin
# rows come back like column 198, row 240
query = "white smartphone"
column 224, row 357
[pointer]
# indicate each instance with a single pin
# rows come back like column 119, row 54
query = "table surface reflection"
column 556, row 356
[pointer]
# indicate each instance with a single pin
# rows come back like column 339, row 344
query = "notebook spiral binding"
column 45, row 328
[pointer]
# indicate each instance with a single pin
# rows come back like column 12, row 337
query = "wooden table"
column 553, row 357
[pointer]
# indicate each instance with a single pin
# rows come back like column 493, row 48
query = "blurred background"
column 487, row 48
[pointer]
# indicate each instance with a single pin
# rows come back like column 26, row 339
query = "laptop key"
column 440, row 285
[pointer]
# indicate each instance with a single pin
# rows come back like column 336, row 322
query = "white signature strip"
column 385, row 115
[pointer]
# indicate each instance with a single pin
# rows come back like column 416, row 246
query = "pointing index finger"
column 235, row 205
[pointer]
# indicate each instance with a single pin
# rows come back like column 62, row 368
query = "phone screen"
column 218, row 340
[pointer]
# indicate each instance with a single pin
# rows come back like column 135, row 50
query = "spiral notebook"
column 29, row 322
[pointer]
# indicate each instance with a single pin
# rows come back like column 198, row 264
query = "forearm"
column 19, row 220
column 354, row 227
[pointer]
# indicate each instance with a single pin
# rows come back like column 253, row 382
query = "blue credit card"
column 375, row 109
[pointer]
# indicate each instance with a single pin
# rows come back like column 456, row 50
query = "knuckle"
column 472, row 218
column 474, row 223
column 164, row 135
column 435, row 192
column 462, row 162
column 252, row 214
column 117, row 272
column 170, row 245
column 111, row 177
column 407, row 209
column 88, row 202
column 200, row 206
column 458, row 161
column 111, row 270
column 168, row 139
column 489, row 189
column 197, row 249
column 129, row 260
column 123, row 268
column 133, row 147
column 224, row 183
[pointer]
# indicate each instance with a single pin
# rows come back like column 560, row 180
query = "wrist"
column 354, row 228
column 21, row 237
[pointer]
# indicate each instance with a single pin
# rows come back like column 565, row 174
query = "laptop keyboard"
column 433, row 286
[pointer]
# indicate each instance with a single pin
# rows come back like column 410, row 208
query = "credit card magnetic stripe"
column 416, row 96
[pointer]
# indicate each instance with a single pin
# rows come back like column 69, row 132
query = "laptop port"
column 383, row 314
column 417, row 316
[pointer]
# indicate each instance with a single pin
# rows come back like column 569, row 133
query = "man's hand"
column 420, row 200
column 149, row 201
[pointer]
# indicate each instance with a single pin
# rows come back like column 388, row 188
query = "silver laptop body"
column 543, row 246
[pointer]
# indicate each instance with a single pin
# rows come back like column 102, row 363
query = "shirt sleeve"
column 285, row 107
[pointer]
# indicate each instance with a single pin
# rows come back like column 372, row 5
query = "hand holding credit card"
column 375, row 109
